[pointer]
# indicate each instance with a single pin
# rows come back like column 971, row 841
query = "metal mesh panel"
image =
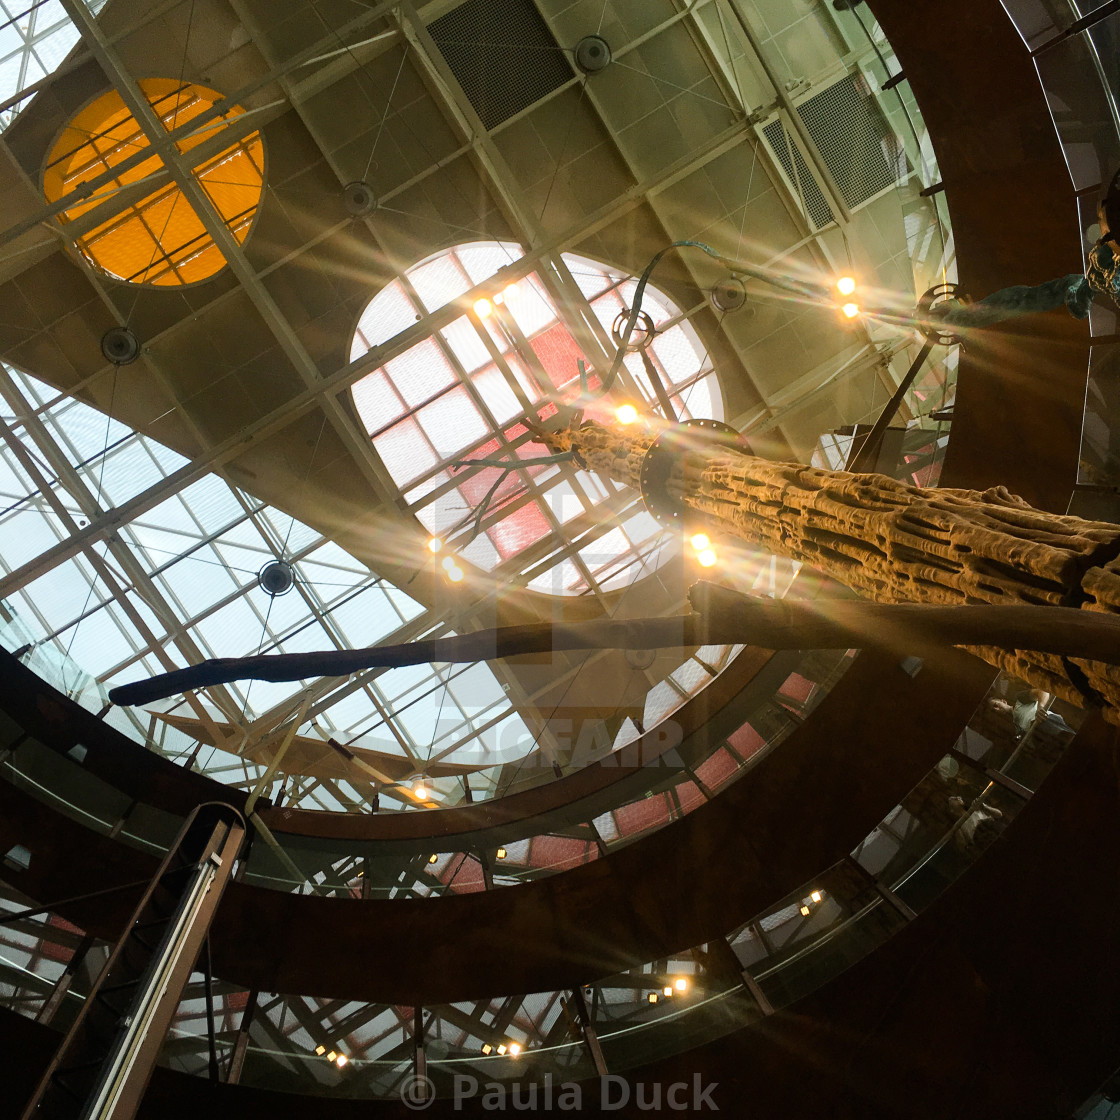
column 856, row 143
column 503, row 55
column 858, row 146
column 798, row 173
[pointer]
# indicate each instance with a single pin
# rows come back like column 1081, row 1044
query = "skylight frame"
column 508, row 338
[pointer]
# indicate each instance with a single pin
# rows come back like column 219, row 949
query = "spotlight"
column 626, row 414
column 846, row 285
column 420, row 791
column 667, row 990
column 816, row 896
column 681, row 984
column 502, row 1048
column 433, row 858
column 448, row 563
column 455, row 574
column 701, row 542
column 320, row 1050
column 487, row 1048
column 434, row 545
column 332, row 1055
column 707, row 558
column 851, row 310
column 653, row 997
column 341, row 1060
column 483, row 307
column 502, row 853
column 804, row 911
column 514, row 1049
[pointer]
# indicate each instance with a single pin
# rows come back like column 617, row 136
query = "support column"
column 103, row 1065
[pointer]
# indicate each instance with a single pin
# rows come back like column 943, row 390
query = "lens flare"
column 846, row 285
column 851, row 310
column 701, row 542
column 626, row 414
column 483, row 307
column 707, row 558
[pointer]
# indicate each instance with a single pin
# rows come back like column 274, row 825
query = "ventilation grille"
column 503, row 55
column 857, row 145
column 798, row 173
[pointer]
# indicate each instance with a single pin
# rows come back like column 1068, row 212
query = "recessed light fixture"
column 433, row 858
column 514, row 1049
column 502, row 1048
column 502, row 853
column 320, row 1050
column 653, row 997
column 667, row 990
column 332, row 1055
column 816, row 896
column 681, row 984
column 341, row 1060
column 804, row 911
column 487, row 1048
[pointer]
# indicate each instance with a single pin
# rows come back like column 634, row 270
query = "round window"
column 157, row 238
column 462, row 392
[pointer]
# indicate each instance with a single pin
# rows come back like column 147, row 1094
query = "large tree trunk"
column 891, row 542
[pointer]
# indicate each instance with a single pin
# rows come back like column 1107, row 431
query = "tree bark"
column 890, row 542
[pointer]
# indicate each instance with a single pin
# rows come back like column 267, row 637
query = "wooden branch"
column 723, row 616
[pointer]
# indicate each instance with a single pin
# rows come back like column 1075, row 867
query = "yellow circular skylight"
column 157, row 238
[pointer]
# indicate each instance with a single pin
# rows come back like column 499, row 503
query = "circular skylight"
column 160, row 238
column 462, row 392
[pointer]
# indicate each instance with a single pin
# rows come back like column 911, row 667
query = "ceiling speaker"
column 593, row 54
column 120, row 346
column 359, row 199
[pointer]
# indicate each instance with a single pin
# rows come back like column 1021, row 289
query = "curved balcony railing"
column 782, row 954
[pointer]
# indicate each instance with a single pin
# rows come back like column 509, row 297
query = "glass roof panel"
column 538, row 369
column 35, row 37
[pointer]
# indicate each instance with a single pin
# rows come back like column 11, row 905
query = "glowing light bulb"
column 420, row 791
column 455, row 574
column 851, row 310
column 514, row 1049
column 667, row 990
column 341, row 1060
column 448, row 563
column 816, row 896
column 804, row 911
column 483, row 307
column 502, row 1048
column 653, row 997
column 626, row 414
column 846, row 285
column 681, row 985
column 707, row 558
column 701, row 541
column 434, row 545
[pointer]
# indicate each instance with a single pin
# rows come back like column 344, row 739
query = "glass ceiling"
column 457, row 396
column 196, row 555
column 35, row 37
